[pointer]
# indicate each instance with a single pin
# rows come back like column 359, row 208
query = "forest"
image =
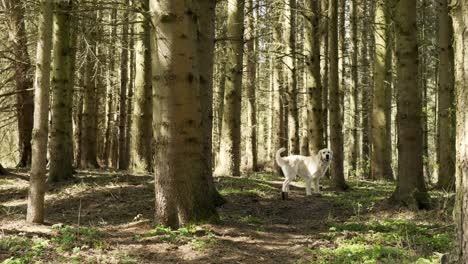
column 150, row 131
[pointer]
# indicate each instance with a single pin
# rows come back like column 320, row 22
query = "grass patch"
column 77, row 238
column 23, row 249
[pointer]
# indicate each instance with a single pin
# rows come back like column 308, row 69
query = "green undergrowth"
column 199, row 238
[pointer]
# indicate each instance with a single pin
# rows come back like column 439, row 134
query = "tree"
column 123, row 157
column 289, row 36
column 141, row 128
column 61, row 131
column 355, row 148
column 24, row 99
column 251, row 146
column 229, row 156
column 446, row 106
column 366, row 91
column 35, row 209
column 381, row 154
column 460, row 22
column 313, row 84
column 89, row 113
column 411, row 190
column 177, row 115
column 336, row 126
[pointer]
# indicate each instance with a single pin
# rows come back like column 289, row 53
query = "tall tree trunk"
column 110, row 87
column 37, row 188
column 60, row 149
column 123, row 161
column 89, row 114
column 289, row 36
column 324, row 67
column 251, row 145
column 446, row 101
column 277, row 121
column 460, row 22
column 381, row 155
column 366, row 94
column 336, row 126
column 206, row 35
column 179, row 159
column 23, row 77
column 229, row 156
column 355, row 148
column 141, row 130
column 411, row 190
column 313, row 83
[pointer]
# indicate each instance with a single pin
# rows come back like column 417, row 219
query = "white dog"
column 311, row 169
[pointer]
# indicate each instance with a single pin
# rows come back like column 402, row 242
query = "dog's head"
column 325, row 155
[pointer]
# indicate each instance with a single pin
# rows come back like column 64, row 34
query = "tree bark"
column 180, row 165
column 110, row 87
column 123, row 161
column 313, row 84
column 89, row 113
column 381, row 154
column 460, row 21
column 251, row 144
column 23, row 77
column 229, row 156
column 35, row 208
column 446, row 102
column 355, row 148
column 141, row 130
column 366, row 94
column 336, row 127
column 60, row 148
column 411, row 190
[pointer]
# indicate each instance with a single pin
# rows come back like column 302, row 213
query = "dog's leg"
column 285, row 189
column 308, row 183
column 316, row 186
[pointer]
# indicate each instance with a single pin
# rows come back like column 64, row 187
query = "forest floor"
column 106, row 217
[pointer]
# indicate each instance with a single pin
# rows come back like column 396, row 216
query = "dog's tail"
column 279, row 159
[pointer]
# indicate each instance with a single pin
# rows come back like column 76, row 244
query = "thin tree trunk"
column 355, row 148
column 411, row 190
column 110, row 86
column 460, row 21
column 229, row 156
column 141, row 130
column 206, row 34
column 336, row 126
column 89, row 113
column 315, row 121
column 123, row 161
column 324, row 67
column 251, row 145
column 366, row 94
column 23, row 78
column 35, row 210
column 289, row 36
column 60, row 149
column 446, row 102
column 381, row 157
